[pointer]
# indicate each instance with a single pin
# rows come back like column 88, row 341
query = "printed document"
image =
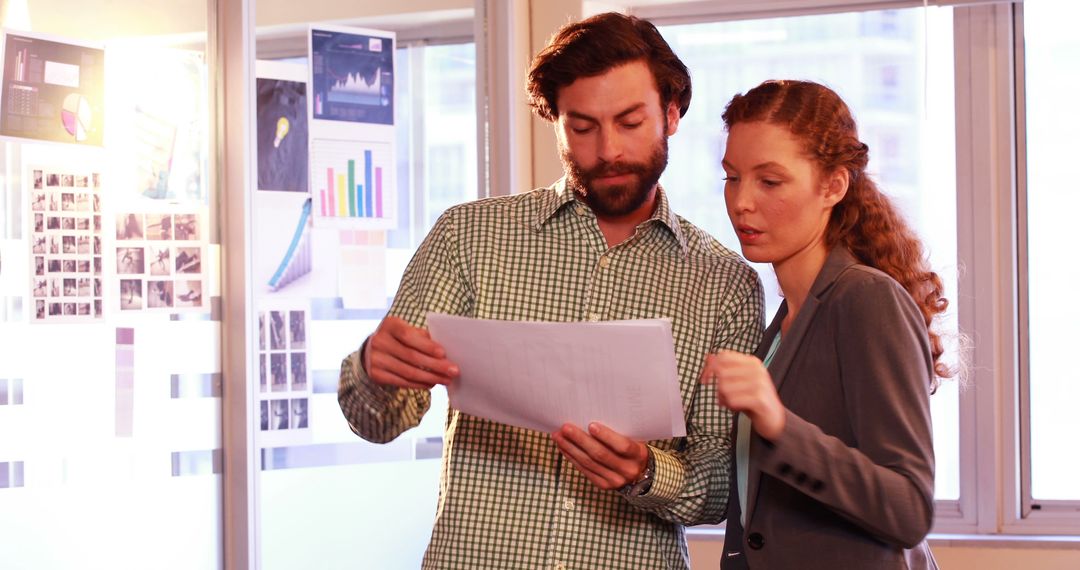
column 540, row 375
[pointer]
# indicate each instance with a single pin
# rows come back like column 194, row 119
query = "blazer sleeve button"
column 785, row 468
column 801, row 478
column 817, row 486
column 755, row 540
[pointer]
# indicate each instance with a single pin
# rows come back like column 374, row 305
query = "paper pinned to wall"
column 362, row 270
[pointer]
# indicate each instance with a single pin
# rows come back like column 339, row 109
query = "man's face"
column 612, row 134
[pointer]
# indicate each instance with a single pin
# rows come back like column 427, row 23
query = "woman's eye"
column 731, row 179
column 770, row 183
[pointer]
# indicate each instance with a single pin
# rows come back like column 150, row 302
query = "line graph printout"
column 352, row 77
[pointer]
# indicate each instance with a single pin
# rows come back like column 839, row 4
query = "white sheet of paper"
column 540, row 375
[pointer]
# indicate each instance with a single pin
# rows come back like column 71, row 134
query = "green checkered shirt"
column 507, row 498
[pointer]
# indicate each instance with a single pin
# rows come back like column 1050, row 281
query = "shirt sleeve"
column 885, row 484
column 434, row 281
column 690, row 484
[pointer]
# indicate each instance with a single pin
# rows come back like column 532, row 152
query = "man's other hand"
column 399, row 354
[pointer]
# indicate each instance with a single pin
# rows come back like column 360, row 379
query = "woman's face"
column 777, row 199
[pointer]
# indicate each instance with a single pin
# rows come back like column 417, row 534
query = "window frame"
column 1047, row 515
column 995, row 469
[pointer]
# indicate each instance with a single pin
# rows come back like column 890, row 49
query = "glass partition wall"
column 378, row 114
column 110, row 374
column 110, row 276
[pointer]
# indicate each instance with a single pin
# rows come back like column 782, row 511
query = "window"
column 1051, row 53
column 875, row 61
column 952, row 160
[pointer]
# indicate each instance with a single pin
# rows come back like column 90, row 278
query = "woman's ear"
column 836, row 186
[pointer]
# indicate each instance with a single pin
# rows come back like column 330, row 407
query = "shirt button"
column 579, row 209
column 560, row 566
column 593, row 317
column 568, row 504
column 755, row 540
column 604, row 262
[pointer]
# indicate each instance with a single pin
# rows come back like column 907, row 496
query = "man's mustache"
column 614, row 169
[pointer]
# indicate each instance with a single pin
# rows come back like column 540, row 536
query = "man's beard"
column 621, row 199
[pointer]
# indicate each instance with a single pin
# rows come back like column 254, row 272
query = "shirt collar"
column 558, row 195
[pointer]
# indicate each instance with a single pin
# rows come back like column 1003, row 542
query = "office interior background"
column 174, row 308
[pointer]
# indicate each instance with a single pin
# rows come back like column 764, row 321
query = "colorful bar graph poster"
column 52, row 91
column 351, row 183
column 352, row 76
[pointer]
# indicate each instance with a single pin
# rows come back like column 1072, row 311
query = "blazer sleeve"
column 884, row 484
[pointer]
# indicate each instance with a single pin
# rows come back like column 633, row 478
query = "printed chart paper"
column 52, row 91
column 540, row 375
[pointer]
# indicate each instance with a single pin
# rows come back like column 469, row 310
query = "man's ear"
column 836, row 186
column 672, row 118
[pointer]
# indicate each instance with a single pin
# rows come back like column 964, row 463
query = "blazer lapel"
column 838, row 260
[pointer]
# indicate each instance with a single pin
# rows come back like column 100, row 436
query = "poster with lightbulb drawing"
column 282, row 134
column 282, row 221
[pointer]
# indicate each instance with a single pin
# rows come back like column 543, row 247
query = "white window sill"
column 949, row 540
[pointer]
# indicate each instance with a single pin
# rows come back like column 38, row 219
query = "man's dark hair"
column 594, row 46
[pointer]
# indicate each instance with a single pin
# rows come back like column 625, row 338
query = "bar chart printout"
column 351, row 184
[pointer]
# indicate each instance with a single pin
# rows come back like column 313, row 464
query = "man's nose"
column 610, row 145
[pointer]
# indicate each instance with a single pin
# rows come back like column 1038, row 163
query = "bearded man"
column 600, row 244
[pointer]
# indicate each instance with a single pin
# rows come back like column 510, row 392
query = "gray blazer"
column 849, row 484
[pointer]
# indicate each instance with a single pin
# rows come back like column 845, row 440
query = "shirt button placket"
column 603, row 263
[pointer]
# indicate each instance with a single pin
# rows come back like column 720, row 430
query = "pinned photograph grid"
column 159, row 262
column 65, row 245
column 283, row 369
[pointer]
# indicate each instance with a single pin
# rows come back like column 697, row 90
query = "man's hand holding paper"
column 399, row 354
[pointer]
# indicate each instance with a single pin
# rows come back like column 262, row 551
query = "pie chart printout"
column 76, row 116
column 52, row 91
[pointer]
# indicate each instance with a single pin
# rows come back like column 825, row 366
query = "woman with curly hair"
column 834, row 448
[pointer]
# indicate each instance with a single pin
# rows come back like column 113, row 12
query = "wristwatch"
column 643, row 484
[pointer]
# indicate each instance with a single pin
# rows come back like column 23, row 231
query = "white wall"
column 99, row 21
column 275, row 12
